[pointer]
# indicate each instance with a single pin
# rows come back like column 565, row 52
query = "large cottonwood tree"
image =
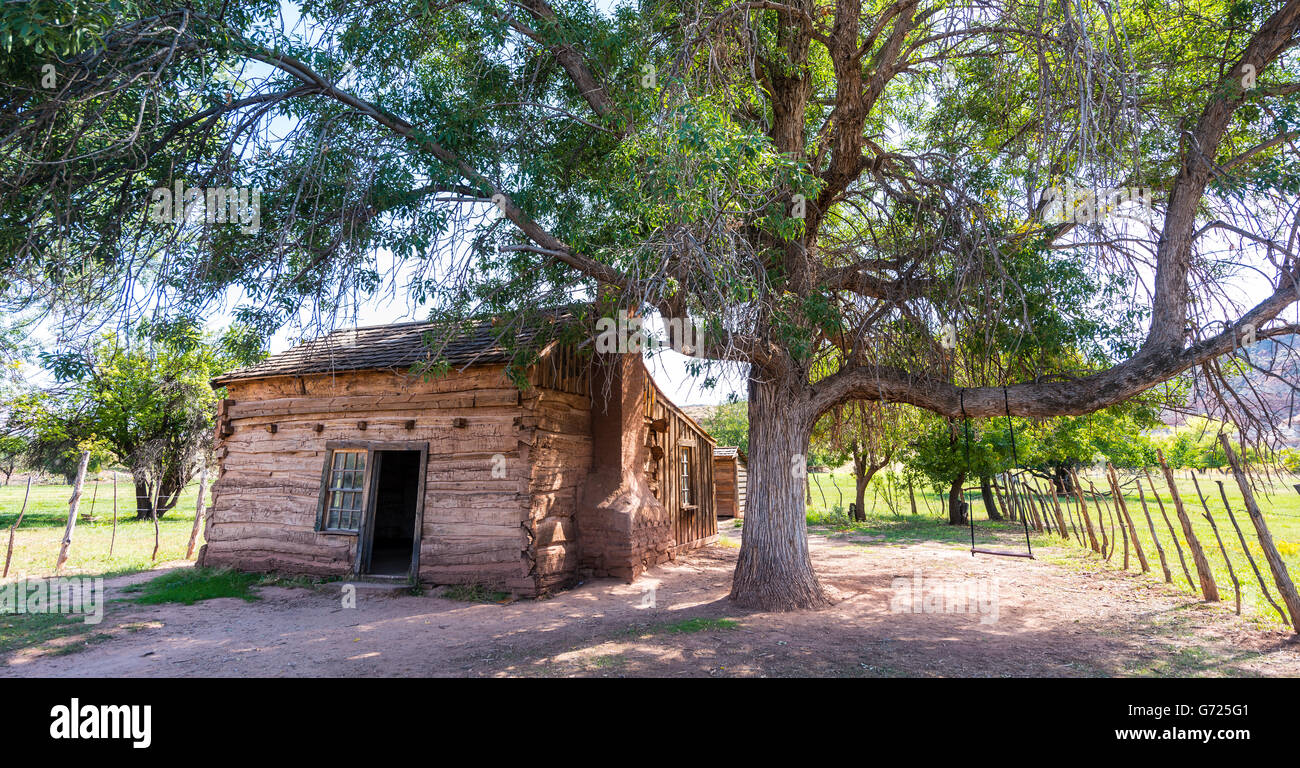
column 847, row 194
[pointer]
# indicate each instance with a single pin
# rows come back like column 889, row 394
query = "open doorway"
column 391, row 534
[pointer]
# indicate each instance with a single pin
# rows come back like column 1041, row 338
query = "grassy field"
column 36, row 543
column 1280, row 504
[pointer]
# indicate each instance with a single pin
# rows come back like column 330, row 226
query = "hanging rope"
column 965, row 420
column 1011, row 493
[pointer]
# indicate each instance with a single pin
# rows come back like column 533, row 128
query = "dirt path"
column 1050, row 621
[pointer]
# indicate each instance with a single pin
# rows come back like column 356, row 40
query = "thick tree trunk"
column 990, row 502
column 1061, row 482
column 143, row 499
column 860, row 483
column 956, row 512
column 774, row 570
column 148, row 495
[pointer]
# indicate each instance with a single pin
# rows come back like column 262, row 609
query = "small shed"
column 729, row 481
column 336, row 459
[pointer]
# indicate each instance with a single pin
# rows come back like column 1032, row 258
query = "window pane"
column 347, row 474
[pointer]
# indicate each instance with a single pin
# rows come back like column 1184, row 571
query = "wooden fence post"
column 1074, row 524
column 198, row 512
column 1160, row 550
column 1083, row 507
column 1101, row 522
column 1172, row 533
column 1060, row 516
column 157, row 496
column 113, row 539
column 1280, row 575
column 1209, row 589
column 72, row 512
column 1249, row 557
column 1043, row 511
column 1236, row 585
column 9, row 553
column 1128, row 518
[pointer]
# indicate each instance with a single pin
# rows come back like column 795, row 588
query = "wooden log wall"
column 474, row 528
column 505, row 474
column 560, row 462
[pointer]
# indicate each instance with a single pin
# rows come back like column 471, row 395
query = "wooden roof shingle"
column 395, row 346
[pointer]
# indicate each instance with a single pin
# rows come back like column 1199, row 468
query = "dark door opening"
column 392, row 530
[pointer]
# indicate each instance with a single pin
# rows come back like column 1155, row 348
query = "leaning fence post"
column 9, row 553
column 1172, row 533
column 1083, row 508
column 198, row 512
column 1060, row 516
column 72, row 512
column 1249, row 557
column 1275, row 563
column 1209, row 590
column 1160, row 550
column 157, row 535
column 1236, row 585
column 113, row 539
column 1128, row 518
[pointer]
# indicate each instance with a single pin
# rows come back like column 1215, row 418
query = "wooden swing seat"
column 1000, row 553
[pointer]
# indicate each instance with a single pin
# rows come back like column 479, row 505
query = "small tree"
column 12, row 448
column 149, row 402
column 729, row 424
column 871, row 433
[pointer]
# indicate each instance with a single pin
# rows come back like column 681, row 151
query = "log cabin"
column 730, row 480
column 336, row 459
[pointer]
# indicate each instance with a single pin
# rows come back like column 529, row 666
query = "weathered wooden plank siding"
column 264, row 509
column 696, row 525
column 724, row 485
column 742, row 487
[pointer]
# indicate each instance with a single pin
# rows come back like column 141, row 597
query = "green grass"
column 1280, row 504
column 1281, row 508
column 473, row 593
column 19, row 631
column 690, row 626
column 36, row 542
column 189, row 586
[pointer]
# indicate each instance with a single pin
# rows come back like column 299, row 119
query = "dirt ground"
column 1051, row 620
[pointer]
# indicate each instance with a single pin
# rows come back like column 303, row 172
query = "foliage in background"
column 143, row 400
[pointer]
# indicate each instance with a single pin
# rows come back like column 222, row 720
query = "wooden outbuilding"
column 335, row 459
column 729, row 480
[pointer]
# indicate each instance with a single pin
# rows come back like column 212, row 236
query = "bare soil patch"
column 1052, row 621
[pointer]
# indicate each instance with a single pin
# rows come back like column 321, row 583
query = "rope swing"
column 1015, row 462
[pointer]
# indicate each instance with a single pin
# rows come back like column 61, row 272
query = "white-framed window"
column 343, row 496
column 686, row 476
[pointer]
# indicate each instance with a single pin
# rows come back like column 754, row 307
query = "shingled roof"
column 729, row 451
column 377, row 347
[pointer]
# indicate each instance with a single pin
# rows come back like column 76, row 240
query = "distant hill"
column 1271, row 397
column 699, row 412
